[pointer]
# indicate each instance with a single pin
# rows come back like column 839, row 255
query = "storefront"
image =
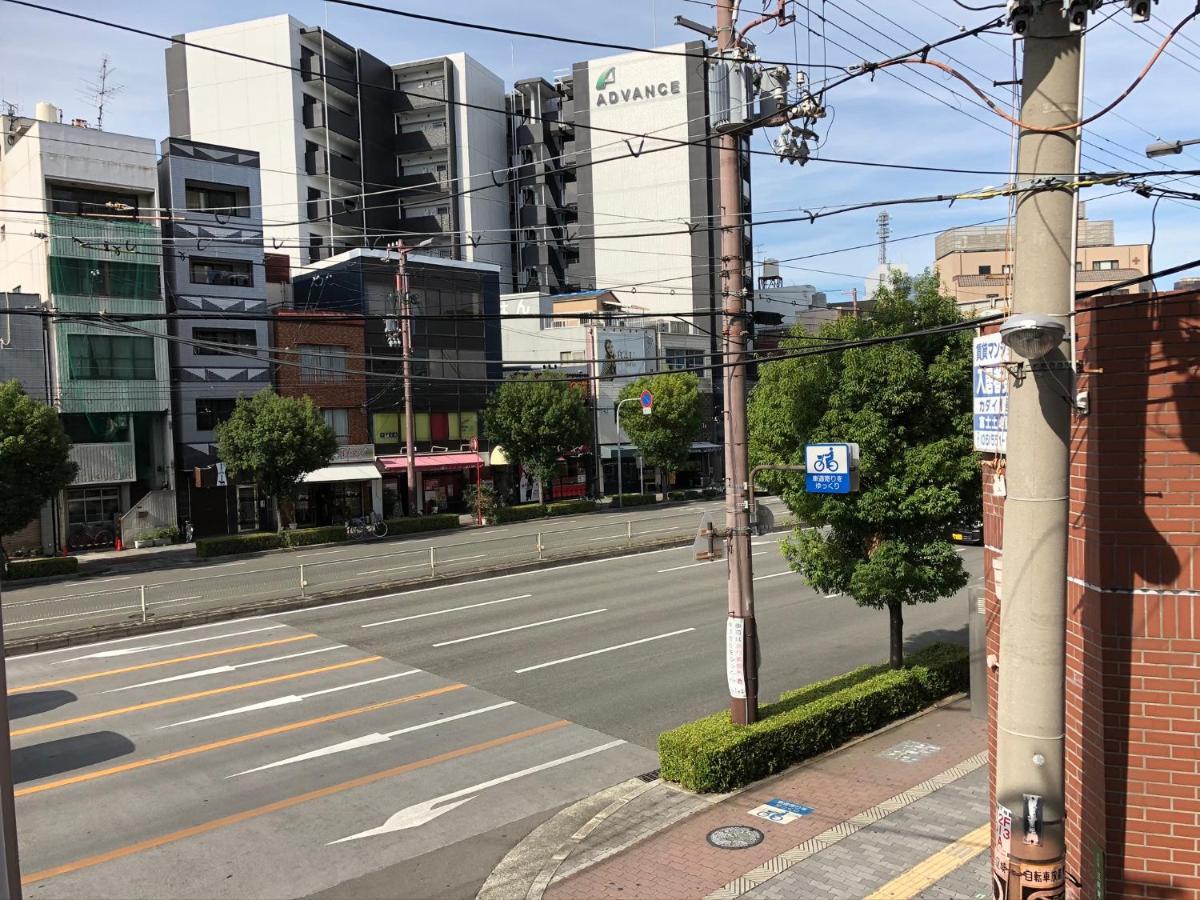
column 441, row 481
column 347, row 489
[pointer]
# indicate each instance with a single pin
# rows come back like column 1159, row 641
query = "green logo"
column 607, row 77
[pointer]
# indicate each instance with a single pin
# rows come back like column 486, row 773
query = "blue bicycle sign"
column 827, row 468
column 826, row 462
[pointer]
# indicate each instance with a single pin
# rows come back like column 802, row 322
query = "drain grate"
column 650, row 776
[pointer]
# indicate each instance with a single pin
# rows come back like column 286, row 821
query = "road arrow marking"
column 422, row 813
column 369, row 740
column 220, row 670
column 128, row 651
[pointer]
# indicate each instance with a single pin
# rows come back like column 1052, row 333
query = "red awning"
column 433, row 462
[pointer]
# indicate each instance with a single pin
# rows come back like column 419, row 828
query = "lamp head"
column 1032, row 335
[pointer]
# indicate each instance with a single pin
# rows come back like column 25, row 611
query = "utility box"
column 730, row 93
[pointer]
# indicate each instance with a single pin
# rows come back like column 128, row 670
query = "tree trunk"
column 896, row 617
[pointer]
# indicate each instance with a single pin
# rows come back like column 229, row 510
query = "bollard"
column 142, row 591
column 629, row 534
column 433, row 562
column 303, row 583
column 539, row 545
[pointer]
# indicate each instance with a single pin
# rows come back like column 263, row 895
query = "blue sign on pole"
column 647, row 399
column 827, row 469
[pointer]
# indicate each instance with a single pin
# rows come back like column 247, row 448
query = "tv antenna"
column 99, row 90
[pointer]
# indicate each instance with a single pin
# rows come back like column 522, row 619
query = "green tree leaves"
column 35, row 461
column 664, row 438
column 537, row 418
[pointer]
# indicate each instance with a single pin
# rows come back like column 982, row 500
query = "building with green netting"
column 89, row 245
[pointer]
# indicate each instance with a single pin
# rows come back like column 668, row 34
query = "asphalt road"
column 343, row 568
column 397, row 745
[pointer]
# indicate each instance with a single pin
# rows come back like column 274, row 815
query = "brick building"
column 1133, row 601
column 321, row 357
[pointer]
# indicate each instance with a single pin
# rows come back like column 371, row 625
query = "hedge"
column 438, row 522
column 527, row 511
column 632, row 500
column 225, row 544
column 42, row 567
column 712, row 754
column 302, row 537
column 570, row 507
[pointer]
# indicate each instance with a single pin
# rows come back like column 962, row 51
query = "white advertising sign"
column 989, row 389
column 735, row 669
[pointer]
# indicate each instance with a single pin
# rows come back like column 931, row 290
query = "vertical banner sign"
column 990, row 392
column 735, row 669
column 222, row 480
column 1001, row 847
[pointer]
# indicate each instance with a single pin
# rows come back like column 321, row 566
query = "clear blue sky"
column 885, row 120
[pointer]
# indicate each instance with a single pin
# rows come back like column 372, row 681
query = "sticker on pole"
column 647, row 399
column 827, row 469
column 735, row 661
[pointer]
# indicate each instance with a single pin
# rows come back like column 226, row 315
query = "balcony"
column 335, row 74
column 341, row 167
column 437, row 224
column 423, row 183
column 532, row 215
column 103, row 463
column 422, row 141
column 429, row 98
column 320, row 115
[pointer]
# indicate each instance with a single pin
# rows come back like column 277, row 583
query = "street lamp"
column 1032, row 335
column 1167, row 148
column 620, row 458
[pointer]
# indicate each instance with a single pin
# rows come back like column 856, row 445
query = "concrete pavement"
column 400, row 740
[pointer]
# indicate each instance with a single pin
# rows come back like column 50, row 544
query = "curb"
column 505, row 882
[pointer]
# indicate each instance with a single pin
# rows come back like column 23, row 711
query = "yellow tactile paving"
column 935, row 868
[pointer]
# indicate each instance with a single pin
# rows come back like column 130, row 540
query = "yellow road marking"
column 154, row 665
column 936, row 867
column 229, row 742
column 247, row 815
column 62, row 723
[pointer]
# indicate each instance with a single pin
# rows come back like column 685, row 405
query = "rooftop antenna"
column 98, row 91
column 12, row 110
column 884, row 221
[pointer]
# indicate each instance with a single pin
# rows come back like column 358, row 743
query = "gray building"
column 213, row 261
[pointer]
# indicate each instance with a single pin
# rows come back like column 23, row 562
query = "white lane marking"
column 221, row 670
column 460, row 558
column 607, row 537
column 420, row 813
column 369, row 740
column 419, row 565
column 477, row 637
column 91, row 582
column 128, row 651
column 832, row 596
column 175, row 600
column 290, row 698
column 567, row 659
column 442, row 612
column 776, row 575
column 237, row 562
column 95, row 612
column 707, row 562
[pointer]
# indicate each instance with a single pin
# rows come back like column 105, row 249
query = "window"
column 212, row 411
column 226, row 272
column 1006, row 269
column 339, row 421
column 92, row 506
column 78, row 201
column 110, row 357
column 680, row 358
column 985, row 270
column 1105, row 265
column 570, row 355
column 104, row 278
column 322, row 363
column 226, row 200
column 226, row 337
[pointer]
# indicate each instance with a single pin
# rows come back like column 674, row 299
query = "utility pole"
column 404, row 310
column 10, row 877
column 741, row 641
column 1030, row 710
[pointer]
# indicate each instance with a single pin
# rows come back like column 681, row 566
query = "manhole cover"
column 735, row 837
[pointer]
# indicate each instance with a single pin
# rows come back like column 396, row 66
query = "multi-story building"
column 212, row 233
column 975, row 263
column 355, row 152
column 91, row 243
column 455, row 356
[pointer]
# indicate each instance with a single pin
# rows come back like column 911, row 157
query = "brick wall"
column 1133, row 602
column 296, row 329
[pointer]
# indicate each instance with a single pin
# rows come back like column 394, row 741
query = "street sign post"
column 647, row 400
column 830, row 468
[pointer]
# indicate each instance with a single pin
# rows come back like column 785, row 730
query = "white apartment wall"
column 523, row 339
column 251, row 106
column 482, row 139
column 23, row 256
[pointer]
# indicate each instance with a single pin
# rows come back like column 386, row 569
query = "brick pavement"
column 680, row 863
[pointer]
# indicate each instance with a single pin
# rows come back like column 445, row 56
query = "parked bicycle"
column 365, row 528
column 83, row 536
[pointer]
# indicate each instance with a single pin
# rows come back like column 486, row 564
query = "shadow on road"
column 924, row 638
column 67, row 754
column 36, row 702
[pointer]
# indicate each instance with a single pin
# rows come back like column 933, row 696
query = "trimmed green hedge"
column 225, row 544
column 633, row 500
column 570, row 507
column 302, row 537
column 438, row 522
column 713, row 754
column 522, row 513
column 42, row 567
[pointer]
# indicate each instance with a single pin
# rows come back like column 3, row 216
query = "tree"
column 907, row 404
column 664, row 438
column 276, row 441
column 537, row 417
column 35, row 458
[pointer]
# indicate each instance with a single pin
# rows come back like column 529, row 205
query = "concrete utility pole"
column 10, row 877
column 741, row 642
column 1030, row 718
column 404, row 309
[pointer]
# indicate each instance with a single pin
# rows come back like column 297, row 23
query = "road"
column 392, row 745
column 343, row 568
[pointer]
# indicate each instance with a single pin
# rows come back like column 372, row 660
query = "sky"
column 912, row 115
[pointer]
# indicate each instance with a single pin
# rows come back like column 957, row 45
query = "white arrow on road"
column 421, row 813
column 368, row 740
column 219, row 670
column 128, row 651
column 290, row 698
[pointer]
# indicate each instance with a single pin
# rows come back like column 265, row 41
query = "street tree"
column 664, row 438
column 537, row 417
column 907, row 404
column 35, row 458
column 276, row 441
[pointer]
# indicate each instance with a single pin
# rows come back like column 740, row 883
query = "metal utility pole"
column 741, row 642
column 1030, row 717
column 404, row 310
column 10, row 877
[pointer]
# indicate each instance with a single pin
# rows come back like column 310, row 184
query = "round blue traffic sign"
column 647, row 399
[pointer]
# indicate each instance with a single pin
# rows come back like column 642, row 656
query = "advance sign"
column 831, row 468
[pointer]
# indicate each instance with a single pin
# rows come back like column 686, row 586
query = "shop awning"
column 433, row 462
column 362, row 472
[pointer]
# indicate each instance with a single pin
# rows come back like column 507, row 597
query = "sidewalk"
column 899, row 814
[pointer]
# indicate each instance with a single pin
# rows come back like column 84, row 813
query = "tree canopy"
column 537, row 418
column 35, row 457
column 276, row 441
column 664, row 438
column 907, row 404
